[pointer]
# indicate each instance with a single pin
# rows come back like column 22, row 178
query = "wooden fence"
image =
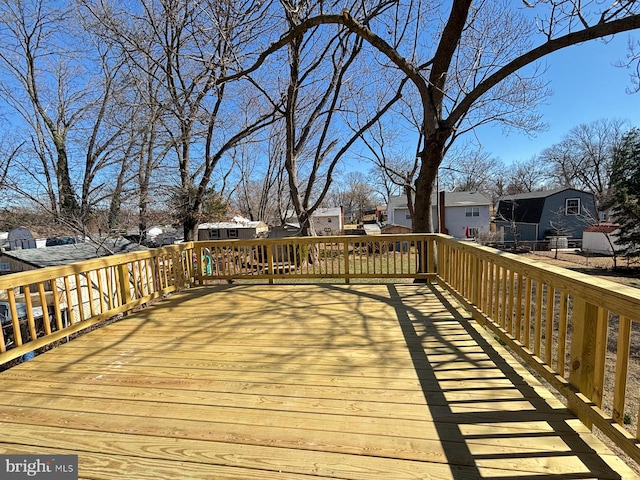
column 574, row 330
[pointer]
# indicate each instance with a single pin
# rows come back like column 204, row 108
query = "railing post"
column 270, row 265
column 431, row 254
column 476, row 283
column 123, row 281
column 584, row 356
column 347, row 270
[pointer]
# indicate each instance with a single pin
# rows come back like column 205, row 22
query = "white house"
column 326, row 221
column 463, row 214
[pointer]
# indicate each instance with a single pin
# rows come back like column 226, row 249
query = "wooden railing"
column 296, row 258
column 40, row 307
column 574, row 330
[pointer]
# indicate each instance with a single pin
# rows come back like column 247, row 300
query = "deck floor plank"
column 296, row 382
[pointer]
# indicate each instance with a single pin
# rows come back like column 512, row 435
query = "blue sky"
column 586, row 87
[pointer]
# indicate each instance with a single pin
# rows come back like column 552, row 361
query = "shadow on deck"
column 296, row 382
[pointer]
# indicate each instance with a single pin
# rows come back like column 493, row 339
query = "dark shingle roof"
column 65, row 254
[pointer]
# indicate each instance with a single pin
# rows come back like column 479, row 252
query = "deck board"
column 296, row 382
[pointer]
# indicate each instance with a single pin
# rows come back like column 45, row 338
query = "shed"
column 395, row 229
column 601, row 239
column 237, row 228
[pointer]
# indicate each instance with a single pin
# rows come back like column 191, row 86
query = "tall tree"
column 526, row 176
column 470, row 170
column 625, row 200
column 64, row 96
column 475, row 73
column 187, row 47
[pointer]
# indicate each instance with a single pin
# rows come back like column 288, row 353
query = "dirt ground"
column 627, row 274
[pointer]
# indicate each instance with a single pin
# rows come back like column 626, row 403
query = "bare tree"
column 65, row 97
column 187, row 47
column 476, row 72
column 393, row 171
column 354, row 193
column 470, row 170
column 526, row 176
column 583, row 159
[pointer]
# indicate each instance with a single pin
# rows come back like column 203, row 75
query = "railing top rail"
column 321, row 239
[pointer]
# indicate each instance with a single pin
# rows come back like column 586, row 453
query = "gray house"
column 538, row 216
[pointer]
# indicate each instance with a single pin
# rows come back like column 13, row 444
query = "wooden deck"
column 295, row 382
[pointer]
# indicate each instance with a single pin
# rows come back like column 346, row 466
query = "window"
column 472, row 212
column 572, row 206
column 408, row 216
column 215, row 233
column 328, row 220
column 232, row 233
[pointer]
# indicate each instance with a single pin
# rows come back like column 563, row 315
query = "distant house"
column 326, row 221
column 21, row 238
column 237, row 228
column 462, row 214
column 537, row 216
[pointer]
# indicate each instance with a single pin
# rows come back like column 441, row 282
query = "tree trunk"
column 189, row 226
column 69, row 208
column 430, row 159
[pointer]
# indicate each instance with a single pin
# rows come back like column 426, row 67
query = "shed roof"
column 603, row 228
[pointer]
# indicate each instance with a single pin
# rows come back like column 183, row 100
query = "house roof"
column 451, row 199
column 319, row 212
column 463, row 199
column 522, row 210
column 539, row 194
column 244, row 224
column 65, row 254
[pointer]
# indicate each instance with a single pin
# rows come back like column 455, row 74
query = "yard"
column 600, row 266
